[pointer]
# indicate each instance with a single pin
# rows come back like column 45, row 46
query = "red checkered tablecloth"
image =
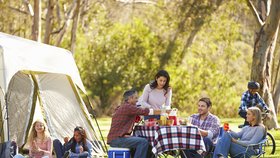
column 165, row 138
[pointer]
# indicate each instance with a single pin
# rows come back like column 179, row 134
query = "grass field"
column 105, row 123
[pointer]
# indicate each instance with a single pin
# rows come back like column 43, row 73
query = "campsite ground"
column 105, row 122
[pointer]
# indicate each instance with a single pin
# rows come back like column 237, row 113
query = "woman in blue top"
column 236, row 144
column 77, row 147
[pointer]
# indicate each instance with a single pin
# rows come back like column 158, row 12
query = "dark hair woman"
column 77, row 146
column 157, row 94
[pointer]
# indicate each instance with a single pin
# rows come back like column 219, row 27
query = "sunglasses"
column 78, row 128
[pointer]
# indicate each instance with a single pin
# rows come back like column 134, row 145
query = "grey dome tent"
column 40, row 81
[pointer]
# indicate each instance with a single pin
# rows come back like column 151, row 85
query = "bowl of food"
column 183, row 121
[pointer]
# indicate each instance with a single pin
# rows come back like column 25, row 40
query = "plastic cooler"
column 118, row 153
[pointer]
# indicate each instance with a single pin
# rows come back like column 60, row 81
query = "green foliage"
column 121, row 46
column 120, row 57
column 12, row 21
column 211, row 67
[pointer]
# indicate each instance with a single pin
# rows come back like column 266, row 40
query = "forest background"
column 206, row 46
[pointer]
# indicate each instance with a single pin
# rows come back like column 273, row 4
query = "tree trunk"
column 262, row 58
column 66, row 24
column 36, row 28
column 276, row 83
column 49, row 18
column 276, row 97
column 75, row 26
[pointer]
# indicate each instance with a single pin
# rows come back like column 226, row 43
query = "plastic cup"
column 173, row 118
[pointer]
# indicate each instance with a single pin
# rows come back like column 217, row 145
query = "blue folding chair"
column 259, row 148
column 210, row 154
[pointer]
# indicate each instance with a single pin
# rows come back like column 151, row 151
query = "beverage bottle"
column 163, row 115
column 226, row 126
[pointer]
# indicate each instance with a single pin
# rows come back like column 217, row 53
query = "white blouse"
column 155, row 98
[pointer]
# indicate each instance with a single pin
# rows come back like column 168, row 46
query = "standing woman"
column 236, row 144
column 157, row 93
column 39, row 140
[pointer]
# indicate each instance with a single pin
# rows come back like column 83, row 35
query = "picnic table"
column 166, row 138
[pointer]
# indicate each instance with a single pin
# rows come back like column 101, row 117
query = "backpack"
column 8, row 149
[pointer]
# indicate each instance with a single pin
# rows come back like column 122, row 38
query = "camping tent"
column 40, row 81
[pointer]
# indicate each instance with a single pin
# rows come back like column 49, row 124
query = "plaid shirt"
column 211, row 123
column 123, row 120
column 249, row 100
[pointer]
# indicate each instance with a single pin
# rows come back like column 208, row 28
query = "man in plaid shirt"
column 208, row 125
column 251, row 98
column 122, row 126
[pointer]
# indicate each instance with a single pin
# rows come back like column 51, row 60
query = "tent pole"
column 94, row 116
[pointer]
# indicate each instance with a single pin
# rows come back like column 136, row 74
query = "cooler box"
column 118, row 153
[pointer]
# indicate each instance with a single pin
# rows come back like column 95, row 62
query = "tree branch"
column 251, row 5
column 29, row 7
column 23, row 12
column 49, row 17
column 75, row 26
column 69, row 15
column 137, row 1
column 18, row 10
column 36, row 27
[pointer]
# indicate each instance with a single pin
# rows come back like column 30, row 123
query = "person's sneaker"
column 66, row 154
column 220, row 156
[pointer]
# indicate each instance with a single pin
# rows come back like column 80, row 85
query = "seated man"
column 77, row 147
column 122, row 126
column 251, row 98
column 208, row 125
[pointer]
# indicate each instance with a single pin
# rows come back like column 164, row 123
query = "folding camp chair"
column 259, row 148
column 210, row 154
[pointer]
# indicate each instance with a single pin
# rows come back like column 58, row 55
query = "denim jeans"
column 225, row 146
column 140, row 145
column 78, row 155
column 59, row 150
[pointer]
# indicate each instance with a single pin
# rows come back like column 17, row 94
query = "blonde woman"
column 40, row 143
column 235, row 144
